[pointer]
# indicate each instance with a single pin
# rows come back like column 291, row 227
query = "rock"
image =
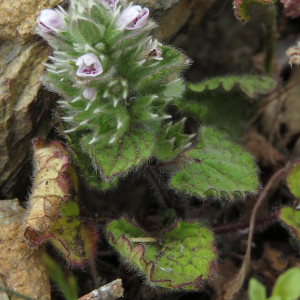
column 21, row 268
column 25, row 108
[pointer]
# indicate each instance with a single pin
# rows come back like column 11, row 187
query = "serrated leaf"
column 170, row 141
column 242, row 8
column 287, row 285
column 229, row 110
column 122, row 155
column 250, row 85
column 256, row 290
column 293, row 179
column 290, row 218
column 183, row 258
column 216, row 168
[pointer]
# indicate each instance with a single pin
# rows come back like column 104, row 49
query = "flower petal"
column 50, row 19
column 140, row 20
column 128, row 15
column 88, row 65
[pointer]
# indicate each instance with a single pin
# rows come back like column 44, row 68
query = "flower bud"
column 133, row 17
column 89, row 93
column 49, row 20
column 88, row 65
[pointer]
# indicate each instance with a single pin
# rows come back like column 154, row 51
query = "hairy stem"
column 243, row 224
column 171, row 199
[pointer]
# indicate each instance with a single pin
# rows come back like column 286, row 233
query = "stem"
column 243, row 224
column 271, row 13
column 235, row 284
column 171, row 199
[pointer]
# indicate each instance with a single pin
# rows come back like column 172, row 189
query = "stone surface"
column 17, row 18
column 21, row 268
column 25, row 109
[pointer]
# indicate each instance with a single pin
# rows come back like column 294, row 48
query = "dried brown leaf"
column 294, row 54
column 54, row 212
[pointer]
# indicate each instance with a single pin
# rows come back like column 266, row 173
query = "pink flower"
column 89, row 93
column 109, row 3
column 88, row 65
column 49, row 20
column 132, row 17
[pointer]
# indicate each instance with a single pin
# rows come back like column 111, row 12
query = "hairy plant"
column 116, row 84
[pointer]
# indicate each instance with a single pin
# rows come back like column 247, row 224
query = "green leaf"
column 290, row 218
column 242, row 8
column 89, row 31
column 228, row 110
column 183, row 258
column 134, row 148
column 216, row 168
column 68, row 287
column 256, row 290
column 293, row 179
column 252, row 86
column 287, row 286
column 170, row 141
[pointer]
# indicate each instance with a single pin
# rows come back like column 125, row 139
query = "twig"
column 234, row 285
column 110, row 291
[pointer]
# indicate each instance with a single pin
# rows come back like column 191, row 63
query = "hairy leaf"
column 54, row 212
column 170, row 141
column 242, row 8
column 122, row 155
column 216, row 168
column 290, row 218
column 250, row 85
column 228, row 110
column 183, row 258
column 293, row 179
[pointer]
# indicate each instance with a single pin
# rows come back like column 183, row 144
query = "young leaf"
column 287, row 285
column 293, row 179
column 170, row 141
column 250, row 85
column 290, row 218
column 216, row 168
column 242, row 8
column 54, row 212
column 256, row 290
column 183, row 258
